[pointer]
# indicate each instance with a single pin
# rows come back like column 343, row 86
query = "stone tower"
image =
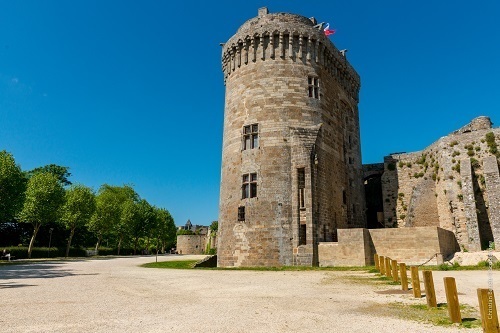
column 291, row 161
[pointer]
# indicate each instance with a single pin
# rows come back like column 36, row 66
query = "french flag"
column 328, row 31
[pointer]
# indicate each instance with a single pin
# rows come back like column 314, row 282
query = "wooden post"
column 377, row 263
column 430, row 293
column 394, row 264
column 388, row 271
column 415, row 282
column 382, row 264
column 488, row 309
column 450, row 288
column 404, row 277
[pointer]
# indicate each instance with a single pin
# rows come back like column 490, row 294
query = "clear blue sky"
column 131, row 92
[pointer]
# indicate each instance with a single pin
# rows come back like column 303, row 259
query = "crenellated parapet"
column 287, row 37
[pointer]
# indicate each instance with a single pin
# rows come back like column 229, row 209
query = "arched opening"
column 374, row 201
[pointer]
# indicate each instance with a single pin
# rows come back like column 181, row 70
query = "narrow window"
column 253, row 185
column 302, row 234
column 245, row 188
column 241, row 213
column 301, row 181
column 250, row 136
column 249, row 186
column 344, row 197
column 313, row 83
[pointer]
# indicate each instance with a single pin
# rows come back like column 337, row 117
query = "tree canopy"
column 12, row 187
column 44, row 197
column 79, row 206
column 61, row 172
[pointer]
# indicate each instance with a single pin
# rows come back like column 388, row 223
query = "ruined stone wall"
column 266, row 67
column 444, row 185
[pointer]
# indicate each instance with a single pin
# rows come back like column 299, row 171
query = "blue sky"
column 131, row 92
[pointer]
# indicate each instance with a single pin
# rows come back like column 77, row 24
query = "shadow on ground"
column 35, row 271
column 8, row 285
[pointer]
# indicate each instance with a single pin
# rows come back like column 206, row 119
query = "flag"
column 328, row 31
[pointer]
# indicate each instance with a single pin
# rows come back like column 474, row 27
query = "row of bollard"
column 487, row 307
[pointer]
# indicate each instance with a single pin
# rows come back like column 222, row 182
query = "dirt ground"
column 116, row 295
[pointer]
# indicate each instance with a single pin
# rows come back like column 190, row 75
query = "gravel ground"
column 116, row 295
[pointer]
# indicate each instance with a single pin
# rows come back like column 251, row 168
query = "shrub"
column 453, row 143
column 391, row 166
column 44, row 252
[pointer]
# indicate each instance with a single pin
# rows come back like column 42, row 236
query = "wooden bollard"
column 488, row 309
column 404, row 277
column 377, row 263
column 394, row 264
column 450, row 288
column 430, row 293
column 388, row 270
column 415, row 282
column 382, row 264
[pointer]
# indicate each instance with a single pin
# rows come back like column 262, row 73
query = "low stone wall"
column 352, row 249
column 414, row 246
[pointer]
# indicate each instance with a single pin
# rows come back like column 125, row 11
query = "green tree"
column 43, row 199
column 165, row 229
column 61, row 172
column 78, row 208
column 12, row 187
column 214, row 226
column 109, row 205
column 142, row 225
column 130, row 219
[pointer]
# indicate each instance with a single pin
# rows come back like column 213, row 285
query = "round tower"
column 291, row 162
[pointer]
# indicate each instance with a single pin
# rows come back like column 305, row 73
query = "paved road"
column 116, row 295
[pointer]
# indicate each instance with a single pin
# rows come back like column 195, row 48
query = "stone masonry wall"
column 492, row 180
column 191, row 244
column 428, row 188
column 412, row 246
column 267, row 68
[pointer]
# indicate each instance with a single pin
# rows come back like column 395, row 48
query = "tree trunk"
column 35, row 231
column 98, row 243
column 147, row 246
column 120, row 244
column 72, row 232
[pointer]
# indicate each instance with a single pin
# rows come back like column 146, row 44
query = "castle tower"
column 291, row 161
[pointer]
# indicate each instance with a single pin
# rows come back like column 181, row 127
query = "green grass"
column 177, row 264
column 481, row 266
column 436, row 316
column 188, row 264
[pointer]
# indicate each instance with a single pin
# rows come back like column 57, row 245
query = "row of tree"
column 45, row 195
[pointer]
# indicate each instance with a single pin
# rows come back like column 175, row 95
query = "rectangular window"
column 249, row 186
column 313, row 83
column 302, row 234
column 250, row 136
column 301, row 182
column 241, row 213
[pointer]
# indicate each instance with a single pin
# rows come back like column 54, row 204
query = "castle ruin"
column 292, row 183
